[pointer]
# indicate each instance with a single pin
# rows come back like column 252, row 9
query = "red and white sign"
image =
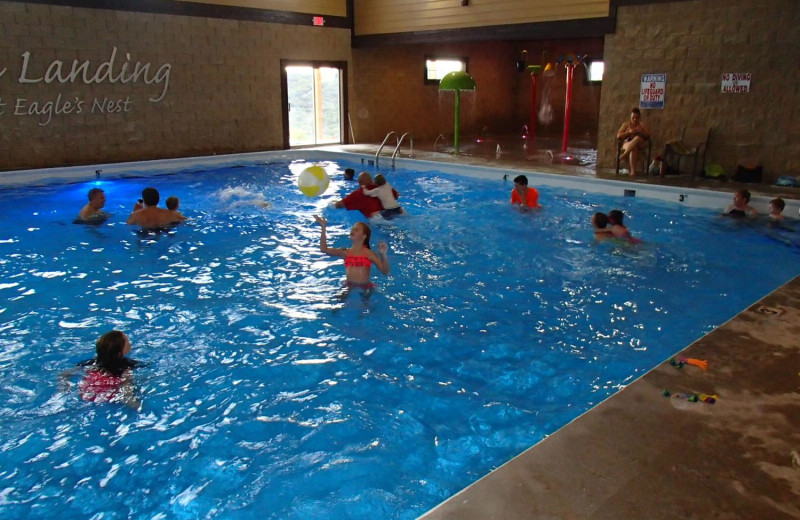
column 736, row 82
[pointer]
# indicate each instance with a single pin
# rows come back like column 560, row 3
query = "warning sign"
column 651, row 93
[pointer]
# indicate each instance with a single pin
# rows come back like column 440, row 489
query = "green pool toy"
column 714, row 171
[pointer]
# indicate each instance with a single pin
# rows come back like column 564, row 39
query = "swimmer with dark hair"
column 108, row 376
column 522, row 196
column 776, row 209
column 740, row 208
column 600, row 224
column 172, row 205
column 148, row 215
column 92, row 213
column 618, row 229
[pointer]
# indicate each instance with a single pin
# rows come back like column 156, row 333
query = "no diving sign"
column 736, row 82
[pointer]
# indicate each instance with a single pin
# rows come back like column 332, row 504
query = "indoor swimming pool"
column 269, row 391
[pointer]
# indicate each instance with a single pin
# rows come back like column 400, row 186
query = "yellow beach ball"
column 313, row 181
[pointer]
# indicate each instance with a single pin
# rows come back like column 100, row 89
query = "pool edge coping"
column 682, row 196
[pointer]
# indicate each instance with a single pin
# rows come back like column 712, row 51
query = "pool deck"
column 642, row 455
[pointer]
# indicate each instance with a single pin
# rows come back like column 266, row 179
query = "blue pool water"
column 270, row 394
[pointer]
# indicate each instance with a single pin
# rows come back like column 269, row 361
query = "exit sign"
column 318, row 21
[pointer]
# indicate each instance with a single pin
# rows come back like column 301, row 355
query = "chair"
column 693, row 143
column 641, row 155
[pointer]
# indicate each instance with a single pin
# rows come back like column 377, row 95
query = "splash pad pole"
column 455, row 123
column 458, row 81
column 532, row 128
column 570, row 63
column 567, row 107
column 548, row 71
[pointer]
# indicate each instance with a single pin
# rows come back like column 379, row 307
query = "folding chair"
column 693, row 143
column 641, row 155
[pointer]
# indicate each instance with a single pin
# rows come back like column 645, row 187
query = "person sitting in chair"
column 635, row 136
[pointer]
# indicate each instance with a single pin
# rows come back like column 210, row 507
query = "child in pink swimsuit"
column 108, row 376
column 358, row 258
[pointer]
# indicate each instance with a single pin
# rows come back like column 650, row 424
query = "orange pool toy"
column 702, row 363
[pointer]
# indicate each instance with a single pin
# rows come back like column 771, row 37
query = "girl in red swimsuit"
column 108, row 377
column 358, row 258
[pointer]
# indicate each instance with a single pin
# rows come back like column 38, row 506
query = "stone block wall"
column 223, row 93
column 694, row 42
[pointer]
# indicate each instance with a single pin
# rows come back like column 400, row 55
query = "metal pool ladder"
column 396, row 148
column 378, row 153
column 399, row 142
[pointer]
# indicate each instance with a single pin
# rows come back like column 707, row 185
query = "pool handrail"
column 378, row 153
column 399, row 142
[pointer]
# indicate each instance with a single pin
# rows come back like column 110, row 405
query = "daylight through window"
column 596, row 71
column 437, row 68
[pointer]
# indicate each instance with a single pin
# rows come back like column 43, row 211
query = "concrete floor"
column 641, row 455
column 541, row 160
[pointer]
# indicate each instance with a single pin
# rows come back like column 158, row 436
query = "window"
column 314, row 104
column 437, row 67
column 595, row 74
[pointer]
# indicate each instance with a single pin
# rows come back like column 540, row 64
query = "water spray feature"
column 548, row 71
column 457, row 81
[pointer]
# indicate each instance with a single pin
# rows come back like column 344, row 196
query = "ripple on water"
column 266, row 379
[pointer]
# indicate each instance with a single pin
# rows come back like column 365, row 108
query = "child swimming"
column 523, row 196
column 358, row 258
column 618, row 230
column 108, row 377
column 776, row 209
column 172, row 205
column 600, row 224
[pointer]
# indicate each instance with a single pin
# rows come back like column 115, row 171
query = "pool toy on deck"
column 692, row 398
column 313, row 181
column 681, row 362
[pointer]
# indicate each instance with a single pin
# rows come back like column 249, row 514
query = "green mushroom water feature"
column 457, row 81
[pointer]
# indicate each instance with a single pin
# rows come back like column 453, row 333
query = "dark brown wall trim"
column 617, row 3
column 201, row 10
column 584, row 28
